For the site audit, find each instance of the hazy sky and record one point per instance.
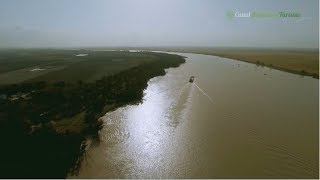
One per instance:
(52, 23)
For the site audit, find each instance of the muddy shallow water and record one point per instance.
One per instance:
(237, 120)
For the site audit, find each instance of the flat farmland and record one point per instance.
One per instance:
(18, 66)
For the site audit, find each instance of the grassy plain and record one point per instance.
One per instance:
(301, 62)
(17, 66)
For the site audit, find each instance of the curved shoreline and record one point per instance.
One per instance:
(303, 62)
(246, 57)
(51, 120)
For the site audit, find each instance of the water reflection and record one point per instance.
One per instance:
(263, 124)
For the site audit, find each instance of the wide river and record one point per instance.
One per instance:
(237, 120)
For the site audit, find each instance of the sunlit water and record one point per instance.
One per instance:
(237, 121)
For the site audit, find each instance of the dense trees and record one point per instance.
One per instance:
(32, 146)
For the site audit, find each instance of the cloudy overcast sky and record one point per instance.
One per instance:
(51, 23)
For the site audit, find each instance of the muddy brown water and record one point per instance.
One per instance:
(236, 120)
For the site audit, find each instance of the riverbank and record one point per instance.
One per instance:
(263, 124)
(44, 121)
(302, 62)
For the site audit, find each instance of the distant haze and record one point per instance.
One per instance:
(93, 23)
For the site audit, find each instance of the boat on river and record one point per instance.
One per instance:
(191, 80)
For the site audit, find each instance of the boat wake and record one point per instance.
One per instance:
(204, 93)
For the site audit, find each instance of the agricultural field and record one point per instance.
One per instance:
(18, 66)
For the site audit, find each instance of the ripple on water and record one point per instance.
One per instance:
(288, 164)
(113, 131)
(177, 109)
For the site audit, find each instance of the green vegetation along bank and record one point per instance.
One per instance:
(304, 62)
(46, 119)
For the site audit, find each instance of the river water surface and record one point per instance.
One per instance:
(236, 121)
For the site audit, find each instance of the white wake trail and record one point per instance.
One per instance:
(204, 93)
